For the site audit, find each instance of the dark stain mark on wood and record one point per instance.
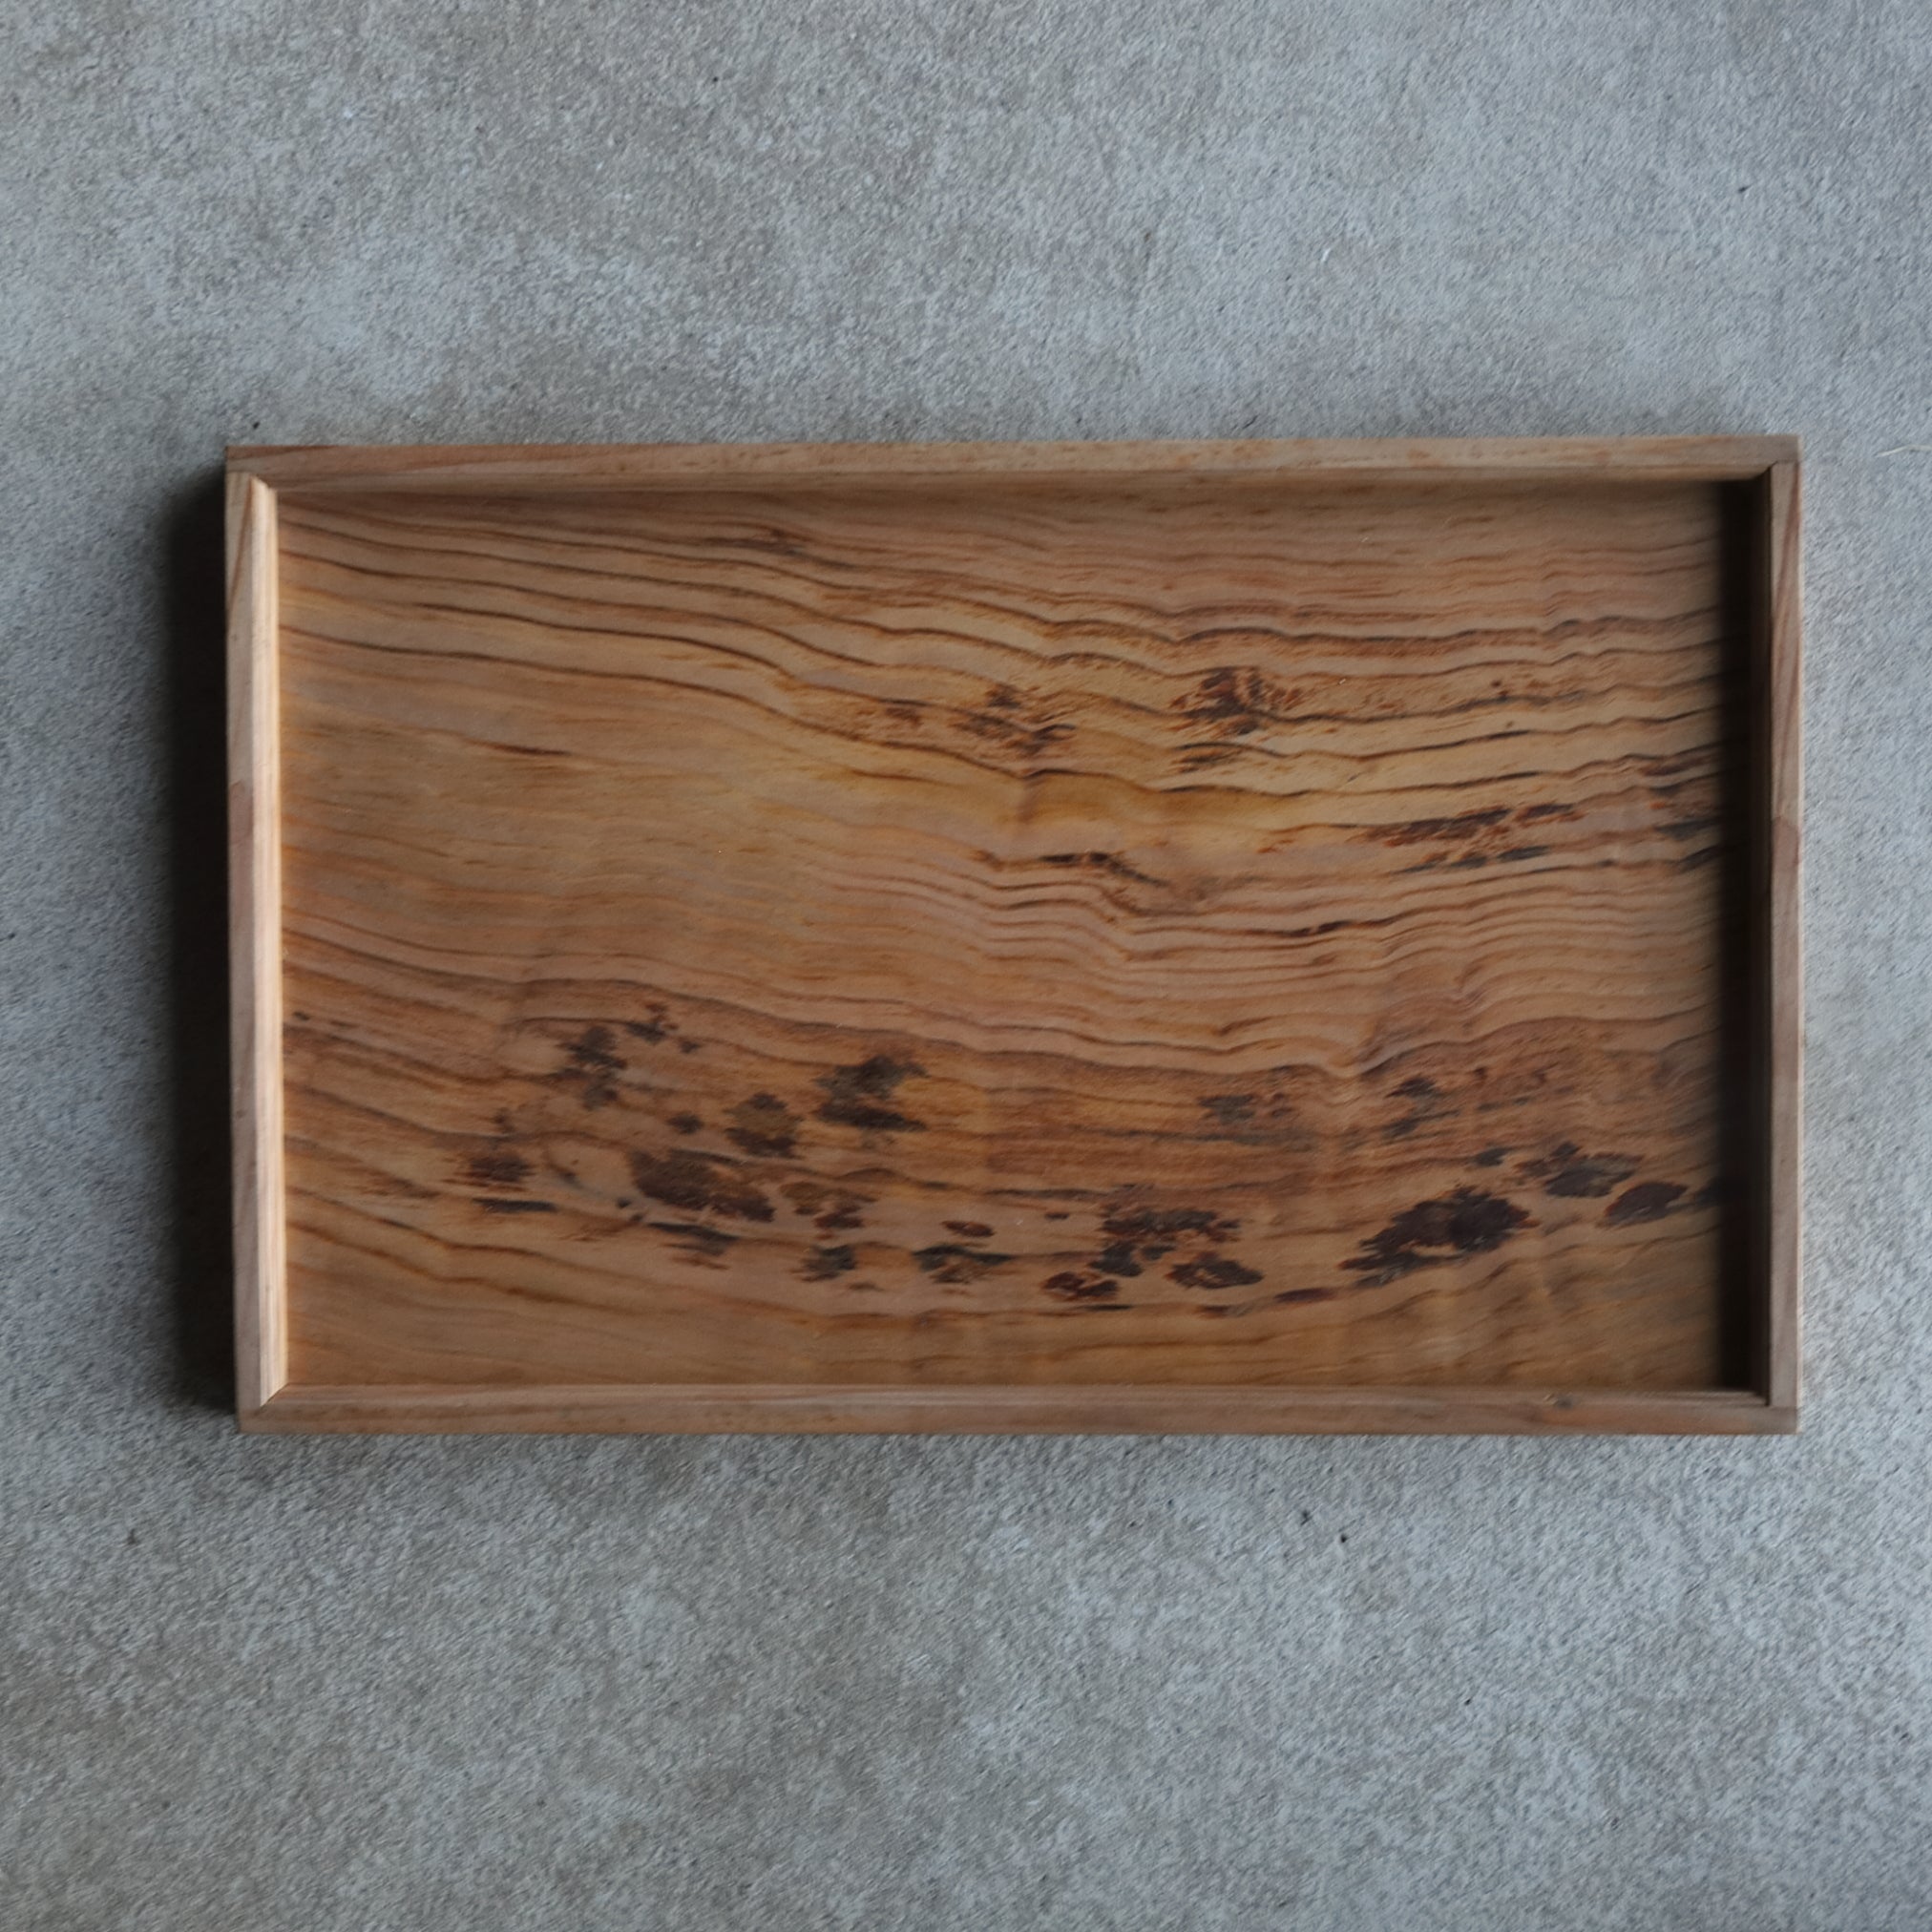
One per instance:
(1685, 830)
(827, 1264)
(1536, 1170)
(497, 1168)
(1234, 701)
(1591, 1177)
(594, 1050)
(1254, 1120)
(856, 1096)
(1058, 1214)
(1478, 833)
(593, 1058)
(1109, 863)
(1205, 757)
(1140, 1225)
(686, 1123)
(697, 1182)
(1291, 1295)
(764, 1126)
(949, 1261)
(497, 1206)
(830, 1208)
(1459, 1224)
(1230, 1110)
(710, 1242)
(1647, 1201)
(1137, 1234)
(1073, 1286)
(656, 1029)
(1426, 1103)
(1490, 1157)
(1443, 830)
(1214, 1271)
(1006, 719)
(970, 1231)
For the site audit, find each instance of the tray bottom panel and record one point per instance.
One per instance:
(1206, 936)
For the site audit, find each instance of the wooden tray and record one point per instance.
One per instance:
(1151, 936)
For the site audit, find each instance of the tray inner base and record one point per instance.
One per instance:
(1164, 932)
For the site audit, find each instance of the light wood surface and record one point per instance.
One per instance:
(931, 941)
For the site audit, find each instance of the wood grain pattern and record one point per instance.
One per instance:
(1221, 944)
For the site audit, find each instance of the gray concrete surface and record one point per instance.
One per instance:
(1154, 1684)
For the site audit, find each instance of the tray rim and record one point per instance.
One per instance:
(268, 1401)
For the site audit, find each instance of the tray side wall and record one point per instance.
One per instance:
(1782, 942)
(254, 944)
(537, 467)
(1093, 1410)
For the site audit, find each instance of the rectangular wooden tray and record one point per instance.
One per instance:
(1234, 937)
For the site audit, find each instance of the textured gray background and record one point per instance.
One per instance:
(320, 1685)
